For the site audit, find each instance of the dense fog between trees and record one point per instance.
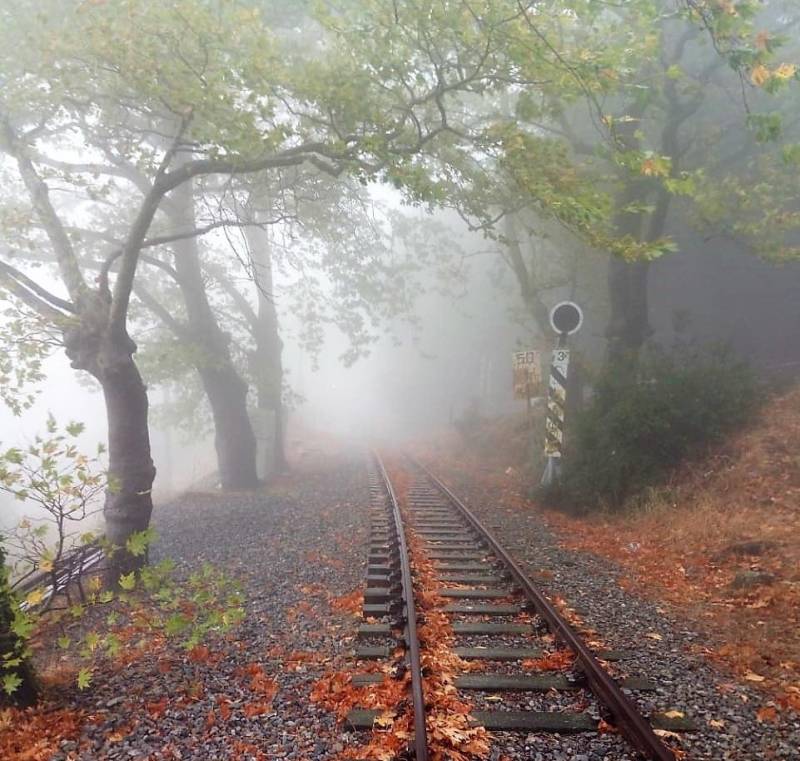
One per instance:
(227, 228)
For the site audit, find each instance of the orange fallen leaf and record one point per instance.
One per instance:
(767, 714)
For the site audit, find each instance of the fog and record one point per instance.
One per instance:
(375, 291)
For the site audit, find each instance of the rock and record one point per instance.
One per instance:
(751, 579)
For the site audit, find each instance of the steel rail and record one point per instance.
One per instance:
(631, 722)
(410, 623)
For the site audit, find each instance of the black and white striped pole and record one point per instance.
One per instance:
(566, 318)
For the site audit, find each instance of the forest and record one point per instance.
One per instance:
(391, 379)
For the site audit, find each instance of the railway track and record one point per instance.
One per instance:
(509, 626)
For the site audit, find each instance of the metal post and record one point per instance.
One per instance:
(556, 409)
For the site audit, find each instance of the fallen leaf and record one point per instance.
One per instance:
(751, 676)
(767, 714)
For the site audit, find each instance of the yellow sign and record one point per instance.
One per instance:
(527, 373)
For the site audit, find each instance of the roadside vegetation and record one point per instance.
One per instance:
(647, 417)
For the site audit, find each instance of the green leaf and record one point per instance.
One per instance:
(75, 429)
(11, 683)
(139, 541)
(175, 624)
(128, 581)
(92, 640)
(84, 678)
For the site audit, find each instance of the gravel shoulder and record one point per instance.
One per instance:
(296, 546)
(666, 649)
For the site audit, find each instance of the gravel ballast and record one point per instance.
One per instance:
(294, 546)
(662, 648)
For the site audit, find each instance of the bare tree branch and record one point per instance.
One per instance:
(37, 289)
(39, 193)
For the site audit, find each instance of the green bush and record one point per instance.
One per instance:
(17, 681)
(647, 417)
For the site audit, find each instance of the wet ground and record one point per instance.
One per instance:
(298, 546)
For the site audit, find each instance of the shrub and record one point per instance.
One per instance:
(16, 675)
(64, 486)
(646, 417)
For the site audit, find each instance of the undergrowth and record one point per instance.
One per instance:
(644, 419)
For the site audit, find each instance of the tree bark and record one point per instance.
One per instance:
(129, 502)
(268, 362)
(234, 439)
(629, 324)
(107, 355)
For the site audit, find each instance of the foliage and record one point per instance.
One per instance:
(26, 343)
(16, 675)
(645, 419)
(64, 484)
(741, 32)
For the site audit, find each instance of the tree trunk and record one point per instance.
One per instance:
(629, 325)
(108, 356)
(234, 439)
(268, 363)
(528, 288)
(129, 500)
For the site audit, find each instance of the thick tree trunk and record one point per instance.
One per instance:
(108, 356)
(129, 502)
(234, 439)
(629, 324)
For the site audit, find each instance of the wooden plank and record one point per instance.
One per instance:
(455, 555)
(534, 721)
(379, 609)
(482, 610)
(615, 655)
(481, 627)
(445, 565)
(637, 684)
(375, 630)
(485, 579)
(378, 594)
(361, 680)
(372, 652)
(496, 653)
(362, 719)
(514, 682)
(474, 594)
